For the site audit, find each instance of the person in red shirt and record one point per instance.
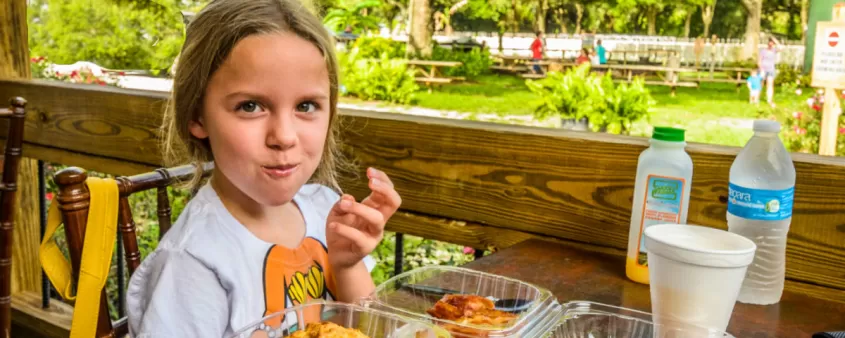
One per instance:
(583, 58)
(537, 51)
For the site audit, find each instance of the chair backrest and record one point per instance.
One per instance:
(8, 191)
(74, 203)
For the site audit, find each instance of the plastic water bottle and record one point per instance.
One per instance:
(762, 185)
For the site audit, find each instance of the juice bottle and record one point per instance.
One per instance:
(661, 194)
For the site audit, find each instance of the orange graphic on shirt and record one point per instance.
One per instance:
(297, 275)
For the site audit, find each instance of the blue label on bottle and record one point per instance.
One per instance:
(762, 205)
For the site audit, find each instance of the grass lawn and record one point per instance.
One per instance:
(713, 113)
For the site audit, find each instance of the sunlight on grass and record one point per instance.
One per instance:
(714, 113)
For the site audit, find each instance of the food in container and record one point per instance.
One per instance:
(325, 319)
(582, 319)
(518, 308)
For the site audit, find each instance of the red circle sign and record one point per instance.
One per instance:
(833, 39)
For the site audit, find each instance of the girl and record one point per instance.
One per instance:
(256, 92)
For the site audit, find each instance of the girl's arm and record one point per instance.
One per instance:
(353, 283)
(354, 229)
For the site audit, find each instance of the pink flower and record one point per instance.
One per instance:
(810, 102)
(801, 131)
(468, 250)
(49, 196)
(797, 115)
(842, 130)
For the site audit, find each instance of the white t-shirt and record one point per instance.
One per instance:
(210, 276)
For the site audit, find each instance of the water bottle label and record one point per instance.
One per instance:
(664, 201)
(762, 205)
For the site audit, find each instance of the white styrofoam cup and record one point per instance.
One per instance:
(695, 274)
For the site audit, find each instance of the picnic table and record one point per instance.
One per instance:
(427, 72)
(671, 78)
(575, 272)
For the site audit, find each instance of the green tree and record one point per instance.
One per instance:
(110, 33)
(353, 14)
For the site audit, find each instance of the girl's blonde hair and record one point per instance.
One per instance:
(209, 40)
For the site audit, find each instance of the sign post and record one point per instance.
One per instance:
(829, 73)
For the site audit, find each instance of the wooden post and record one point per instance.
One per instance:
(829, 129)
(14, 63)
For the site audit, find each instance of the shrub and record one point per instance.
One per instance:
(382, 79)
(788, 77)
(475, 62)
(374, 47)
(577, 94)
(801, 123)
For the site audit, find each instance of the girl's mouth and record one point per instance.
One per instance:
(280, 171)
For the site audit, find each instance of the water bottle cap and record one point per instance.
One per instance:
(766, 126)
(668, 134)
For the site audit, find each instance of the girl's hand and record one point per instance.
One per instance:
(354, 229)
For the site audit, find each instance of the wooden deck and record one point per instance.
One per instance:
(488, 186)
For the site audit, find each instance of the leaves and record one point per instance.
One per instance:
(577, 93)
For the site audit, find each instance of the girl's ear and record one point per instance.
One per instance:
(198, 129)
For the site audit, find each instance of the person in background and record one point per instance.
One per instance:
(755, 85)
(601, 52)
(584, 57)
(537, 52)
(767, 62)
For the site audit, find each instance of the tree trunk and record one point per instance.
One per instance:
(560, 18)
(26, 232)
(687, 22)
(540, 15)
(512, 16)
(419, 41)
(448, 17)
(805, 4)
(707, 17)
(754, 8)
(579, 14)
(651, 12)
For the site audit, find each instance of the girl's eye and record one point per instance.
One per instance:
(248, 107)
(306, 107)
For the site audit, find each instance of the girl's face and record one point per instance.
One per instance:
(266, 115)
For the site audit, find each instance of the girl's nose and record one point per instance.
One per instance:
(281, 131)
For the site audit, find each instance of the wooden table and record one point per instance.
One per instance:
(432, 74)
(577, 274)
(671, 80)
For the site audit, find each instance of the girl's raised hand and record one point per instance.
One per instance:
(354, 229)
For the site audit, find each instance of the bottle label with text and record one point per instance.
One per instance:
(759, 204)
(663, 204)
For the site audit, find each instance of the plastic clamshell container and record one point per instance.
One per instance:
(541, 313)
(371, 322)
(583, 319)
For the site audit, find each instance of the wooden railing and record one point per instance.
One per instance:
(488, 186)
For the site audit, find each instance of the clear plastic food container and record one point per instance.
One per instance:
(371, 322)
(582, 319)
(414, 292)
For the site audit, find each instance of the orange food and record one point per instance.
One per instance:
(469, 309)
(327, 330)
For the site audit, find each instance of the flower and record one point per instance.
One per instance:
(798, 91)
(817, 107)
(842, 130)
(468, 250)
(810, 102)
(49, 196)
(797, 115)
(800, 131)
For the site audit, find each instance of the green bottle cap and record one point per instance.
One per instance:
(668, 134)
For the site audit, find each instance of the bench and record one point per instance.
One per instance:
(533, 76)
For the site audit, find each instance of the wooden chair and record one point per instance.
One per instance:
(8, 191)
(74, 202)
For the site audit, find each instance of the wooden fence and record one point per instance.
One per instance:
(483, 185)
